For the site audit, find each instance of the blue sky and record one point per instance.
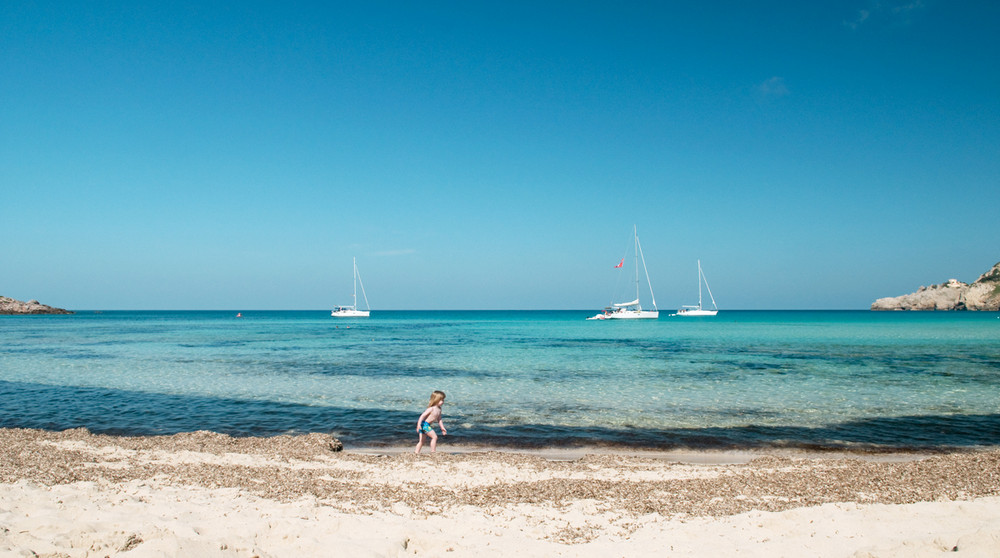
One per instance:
(238, 155)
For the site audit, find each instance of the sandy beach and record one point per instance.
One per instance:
(75, 494)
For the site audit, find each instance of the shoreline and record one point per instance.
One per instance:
(681, 456)
(75, 493)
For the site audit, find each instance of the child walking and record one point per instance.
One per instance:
(431, 415)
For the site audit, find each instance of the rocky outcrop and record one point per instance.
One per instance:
(11, 306)
(983, 294)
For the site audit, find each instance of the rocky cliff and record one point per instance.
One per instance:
(11, 306)
(984, 294)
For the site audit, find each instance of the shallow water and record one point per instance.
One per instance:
(743, 379)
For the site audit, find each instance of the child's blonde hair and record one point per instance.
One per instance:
(436, 397)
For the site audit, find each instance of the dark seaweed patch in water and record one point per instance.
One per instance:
(112, 342)
(220, 344)
(71, 354)
(370, 370)
(923, 433)
(572, 343)
(604, 343)
(26, 405)
(745, 413)
(74, 355)
(753, 366)
(9, 350)
(375, 367)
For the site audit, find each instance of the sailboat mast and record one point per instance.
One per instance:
(635, 235)
(707, 287)
(355, 283)
(361, 281)
(638, 249)
(699, 284)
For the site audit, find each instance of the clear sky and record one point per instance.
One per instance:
(212, 155)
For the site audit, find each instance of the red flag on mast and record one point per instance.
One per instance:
(621, 263)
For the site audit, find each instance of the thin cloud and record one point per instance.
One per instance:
(773, 87)
(891, 12)
(863, 16)
(903, 14)
(907, 9)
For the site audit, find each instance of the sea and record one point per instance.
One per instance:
(815, 380)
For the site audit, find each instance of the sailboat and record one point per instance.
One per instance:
(631, 310)
(698, 310)
(352, 310)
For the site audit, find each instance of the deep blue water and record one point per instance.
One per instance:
(744, 379)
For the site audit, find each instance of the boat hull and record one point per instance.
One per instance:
(696, 313)
(633, 315)
(349, 313)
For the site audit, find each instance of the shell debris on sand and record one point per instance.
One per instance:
(290, 467)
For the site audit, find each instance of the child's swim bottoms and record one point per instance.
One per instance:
(425, 427)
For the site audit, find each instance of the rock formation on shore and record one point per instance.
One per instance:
(984, 294)
(11, 306)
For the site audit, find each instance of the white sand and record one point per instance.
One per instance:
(141, 518)
(157, 499)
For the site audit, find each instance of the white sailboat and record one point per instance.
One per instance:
(698, 310)
(632, 310)
(352, 310)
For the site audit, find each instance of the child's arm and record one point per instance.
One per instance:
(444, 431)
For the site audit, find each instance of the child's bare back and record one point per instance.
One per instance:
(433, 414)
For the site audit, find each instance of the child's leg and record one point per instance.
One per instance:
(434, 440)
(420, 443)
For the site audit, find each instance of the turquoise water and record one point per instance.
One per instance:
(824, 380)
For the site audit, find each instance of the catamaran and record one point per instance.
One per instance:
(631, 310)
(698, 310)
(352, 310)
